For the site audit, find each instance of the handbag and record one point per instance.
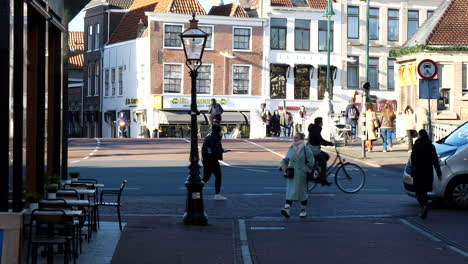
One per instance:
(289, 174)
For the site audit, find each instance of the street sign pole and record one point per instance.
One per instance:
(429, 106)
(428, 69)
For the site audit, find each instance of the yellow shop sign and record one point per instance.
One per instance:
(133, 101)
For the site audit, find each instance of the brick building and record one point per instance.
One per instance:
(75, 83)
(101, 19)
(443, 39)
(159, 96)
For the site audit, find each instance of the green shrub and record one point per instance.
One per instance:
(51, 188)
(74, 174)
(54, 179)
(33, 197)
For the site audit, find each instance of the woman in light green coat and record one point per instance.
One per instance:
(296, 187)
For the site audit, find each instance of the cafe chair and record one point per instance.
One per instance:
(116, 193)
(50, 228)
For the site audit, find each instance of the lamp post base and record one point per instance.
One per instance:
(195, 213)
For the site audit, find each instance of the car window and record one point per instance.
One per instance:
(458, 137)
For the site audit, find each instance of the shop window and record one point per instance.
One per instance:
(113, 81)
(322, 81)
(302, 81)
(391, 74)
(106, 82)
(278, 80)
(120, 76)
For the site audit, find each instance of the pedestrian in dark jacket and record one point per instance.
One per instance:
(423, 159)
(315, 141)
(352, 117)
(275, 121)
(215, 112)
(212, 152)
(266, 118)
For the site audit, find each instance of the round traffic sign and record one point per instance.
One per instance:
(427, 69)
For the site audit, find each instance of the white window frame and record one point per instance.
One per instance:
(96, 78)
(465, 89)
(106, 82)
(164, 35)
(90, 77)
(113, 90)
(182, 78)
(212, 36)
(120, 82)
(211, 78)
(250, 39)
(90, 33)
(250, 79)
(97, 33)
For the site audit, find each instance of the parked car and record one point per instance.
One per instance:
(453, 159)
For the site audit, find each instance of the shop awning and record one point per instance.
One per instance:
(235, 117)
(179, 118)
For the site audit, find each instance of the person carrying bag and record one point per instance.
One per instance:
(296, 168)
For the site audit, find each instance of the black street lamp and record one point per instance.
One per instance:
(194, 41)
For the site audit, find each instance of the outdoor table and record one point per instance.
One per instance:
(73, 213)
(70, 202)
(96, 185)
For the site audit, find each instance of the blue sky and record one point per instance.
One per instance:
(77, 23)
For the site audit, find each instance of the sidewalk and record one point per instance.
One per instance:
(392, 160)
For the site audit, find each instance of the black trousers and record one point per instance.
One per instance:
(304, 203)
(421, 196)
(212, 167)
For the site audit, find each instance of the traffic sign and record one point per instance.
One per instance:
(429, 89)
(427, 69)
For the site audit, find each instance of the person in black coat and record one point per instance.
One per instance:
(423, 159)
(315, 141)
(212, 153)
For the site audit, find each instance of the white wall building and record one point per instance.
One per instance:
(296, 56)
(126, 86)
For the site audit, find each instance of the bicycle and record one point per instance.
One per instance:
(349, 177)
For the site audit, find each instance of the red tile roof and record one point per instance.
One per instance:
(452, 28)
(319, 4)
(448, 25)
(128, 27)
(76, 46)
(233, 10)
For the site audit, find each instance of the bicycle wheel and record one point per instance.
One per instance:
(350, 178)
(311, 184)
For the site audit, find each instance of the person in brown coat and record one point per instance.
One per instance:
(387, 117)
(372, 124)
(423, 159)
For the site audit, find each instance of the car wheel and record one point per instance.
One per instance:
(457, 193)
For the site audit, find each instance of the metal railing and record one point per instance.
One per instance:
(440, 130)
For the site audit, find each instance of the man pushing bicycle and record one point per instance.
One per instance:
(315, 141)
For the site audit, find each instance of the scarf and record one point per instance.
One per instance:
(298, 146)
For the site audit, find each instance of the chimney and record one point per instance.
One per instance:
(217, 2)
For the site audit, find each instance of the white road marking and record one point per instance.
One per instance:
(246, 257)
(257, 194)
(276, 153)
(420, 231)
(95, 150)
(91, 154)
(85, 158)
(267, 228)
(75, 161)
(98, 142)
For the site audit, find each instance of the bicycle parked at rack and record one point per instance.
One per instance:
(349, 177)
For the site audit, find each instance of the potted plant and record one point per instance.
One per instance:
(51, 190)
(74, 175)
(54, 180)
(33, 198)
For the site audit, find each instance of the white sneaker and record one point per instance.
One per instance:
(303, 213)
(219, 197)
(409, 151)
(384, 151)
